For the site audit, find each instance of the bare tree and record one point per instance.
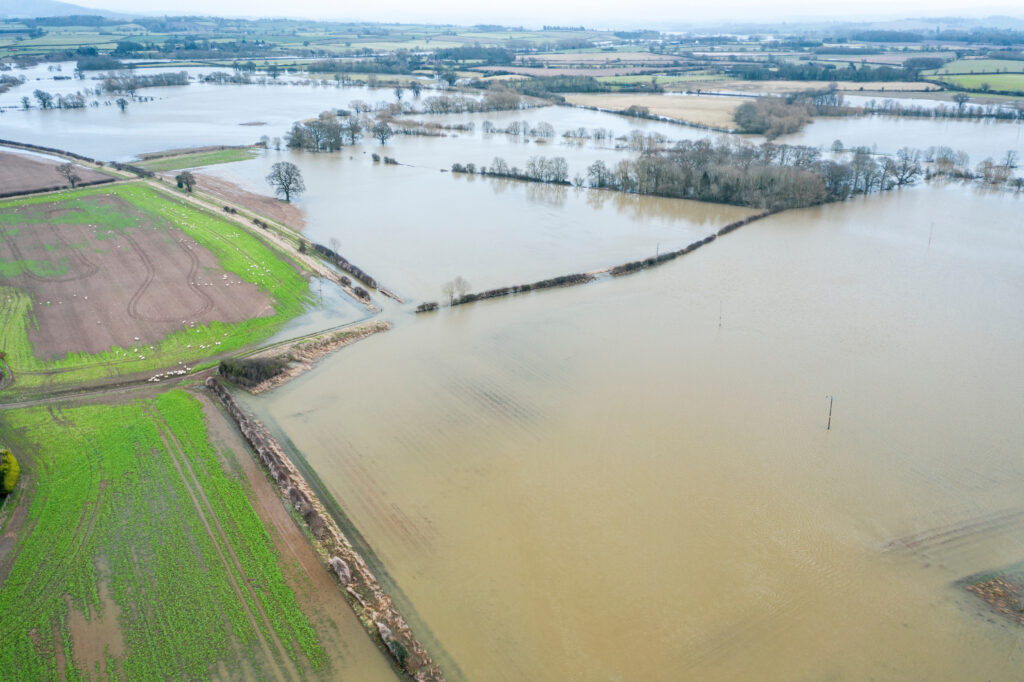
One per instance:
(382, 131)
(399, 92)
(416, 88)
(352, 129)
(45, 99)
(286, 179)
(448, 289)
(335, 244)
(185, 180)
(67, 171)
(461, 286)
(122, 103)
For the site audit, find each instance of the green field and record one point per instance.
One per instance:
(1006, 82)
(977, 66)
(137, 525)
(237, 251)
(168, 163)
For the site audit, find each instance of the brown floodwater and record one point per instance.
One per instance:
(414, 228)
(633, 479)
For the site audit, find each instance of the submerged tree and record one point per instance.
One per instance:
(122, 103)
(286, 179)
(382, 131)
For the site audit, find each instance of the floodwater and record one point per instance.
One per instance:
(413, 228)
(633, 479)
(980, 138)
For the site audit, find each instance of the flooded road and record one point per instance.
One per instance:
(633, 480)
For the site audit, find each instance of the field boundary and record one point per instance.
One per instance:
(374, 608)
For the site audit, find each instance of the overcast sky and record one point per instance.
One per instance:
(599, 14)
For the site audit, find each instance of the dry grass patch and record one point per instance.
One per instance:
(716, 112)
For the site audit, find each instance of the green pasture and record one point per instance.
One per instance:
(169, 163)
(136, 521)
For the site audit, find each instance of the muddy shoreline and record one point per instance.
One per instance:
(374, 608)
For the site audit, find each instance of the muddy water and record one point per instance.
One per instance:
(413, 228)
(980, 138)
(633, 480)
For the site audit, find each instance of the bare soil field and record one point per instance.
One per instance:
(95, 286)
(23, 174)
(286, 214)
(713, 111)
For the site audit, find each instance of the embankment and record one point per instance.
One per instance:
(300, 357)
(633, 266)
(375, 609)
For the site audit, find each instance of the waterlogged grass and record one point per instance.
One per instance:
(201, 159)
(133, 501)
(237, 251)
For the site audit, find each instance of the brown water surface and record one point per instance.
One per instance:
(633, 480)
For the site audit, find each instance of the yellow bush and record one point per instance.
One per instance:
(9, 471)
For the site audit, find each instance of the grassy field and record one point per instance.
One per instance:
(168, 163)
(1007, 82)
(141, 556)
(237, 251)
(969, 66)
(716, 112)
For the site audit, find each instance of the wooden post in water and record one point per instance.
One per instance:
(828, 426)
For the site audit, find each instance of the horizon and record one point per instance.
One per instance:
(653, 14)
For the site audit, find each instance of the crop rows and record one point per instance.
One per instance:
(114, 502)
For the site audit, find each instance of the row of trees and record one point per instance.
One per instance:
(538, 169)
(129, 83)
(766, 176)
(330, 132)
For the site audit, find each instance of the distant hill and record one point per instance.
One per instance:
(47, 8)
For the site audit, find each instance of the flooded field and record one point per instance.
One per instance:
(633, 480)
(413, 228)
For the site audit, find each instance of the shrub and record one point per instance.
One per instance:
(9, 472)
(250, 372)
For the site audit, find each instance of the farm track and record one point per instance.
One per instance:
(274, 650)
(90, 267)
(147, 263)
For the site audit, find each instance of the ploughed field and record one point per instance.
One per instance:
(125, 279)
(135, 551)
(21, 174)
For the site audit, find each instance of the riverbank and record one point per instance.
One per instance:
(375, 609)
